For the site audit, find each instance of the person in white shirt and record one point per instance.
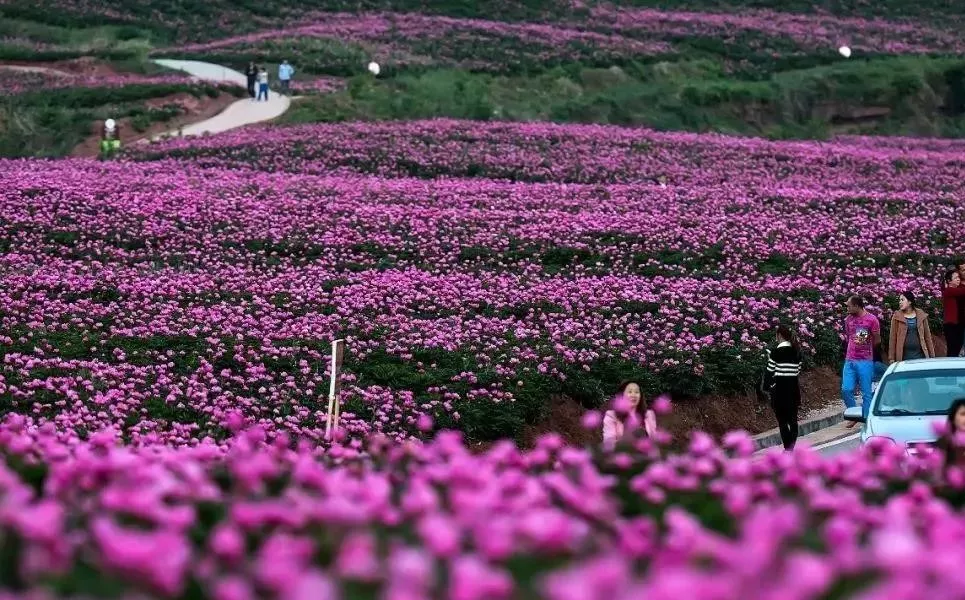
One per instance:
(263, 84)
(285, 72)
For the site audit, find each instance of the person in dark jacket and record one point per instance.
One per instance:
(781, 380)
(251, 72)
(953, 305)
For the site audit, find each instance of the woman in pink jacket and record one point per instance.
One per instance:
(625, 416)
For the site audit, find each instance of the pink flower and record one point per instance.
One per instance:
(357, 558)
(440, 535)
(227, 542)
(160, 557)
(232, 588)
(424, 423)
(662, 405)
(591, 420)
(312, 585)
(472, 579)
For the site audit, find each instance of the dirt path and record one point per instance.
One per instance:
(41, 70)
(239, 113)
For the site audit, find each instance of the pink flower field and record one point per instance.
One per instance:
(13, 83)
(166, 318)
(262, 518)
(341, 43)
(160, 294)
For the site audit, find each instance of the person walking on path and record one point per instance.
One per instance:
(781, 381)
(911, 336)
(251, 73)
(863, 332)
(625, 415)
(285, 72)
(953, 305)
(262, 84)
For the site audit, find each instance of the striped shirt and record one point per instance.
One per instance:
(783, 361)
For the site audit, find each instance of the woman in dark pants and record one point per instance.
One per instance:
(251, 72)
(781, 381)
(953, 303)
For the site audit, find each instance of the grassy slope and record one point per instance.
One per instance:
(923, 96)
(791, 94)
(53, 123)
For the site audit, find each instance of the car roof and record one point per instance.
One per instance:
(931, 364)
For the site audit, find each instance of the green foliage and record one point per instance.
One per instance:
(52, 124)
(692, 95)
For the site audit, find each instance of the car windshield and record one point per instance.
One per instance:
(919, 393)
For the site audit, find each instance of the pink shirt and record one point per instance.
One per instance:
(861, 332)
(614, 429)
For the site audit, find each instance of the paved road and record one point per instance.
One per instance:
(831, 441)
(839, 446)
(834, 440)
(242, 112)
(33, 69)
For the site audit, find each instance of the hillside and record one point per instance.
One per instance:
(539, 219)
(759, 68)
(56, 108)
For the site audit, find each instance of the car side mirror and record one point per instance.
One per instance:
(853, 414)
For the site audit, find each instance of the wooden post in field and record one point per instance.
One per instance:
(334, 388)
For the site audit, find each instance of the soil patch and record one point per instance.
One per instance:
(35, 69)
(194, 110)
(79, 67)
(717, 415)
(820, 388)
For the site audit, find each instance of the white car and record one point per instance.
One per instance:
(912, 397)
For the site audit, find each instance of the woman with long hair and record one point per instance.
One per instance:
(910, 334)
(629, 412)
(953, 303)
(781, 380)
(954, 454)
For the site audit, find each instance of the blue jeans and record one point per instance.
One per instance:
(263, 91)
(857, 373)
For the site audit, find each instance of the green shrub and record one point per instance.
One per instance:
(692, 95)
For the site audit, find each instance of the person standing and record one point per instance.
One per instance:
(262, 84)
(251, 73)
(625, 415)
(110, 138)
(781, 380)
(863, 332)
(285, 72)
(953, 303)
(911, 336)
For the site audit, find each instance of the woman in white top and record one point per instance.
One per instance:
(262, 84)
(628, 413)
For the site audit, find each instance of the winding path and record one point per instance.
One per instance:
(41, 70)
(242, 112)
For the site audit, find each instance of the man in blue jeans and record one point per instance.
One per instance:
(285, 72)
(863, 333)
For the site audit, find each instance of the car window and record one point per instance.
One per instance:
(919, 393)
